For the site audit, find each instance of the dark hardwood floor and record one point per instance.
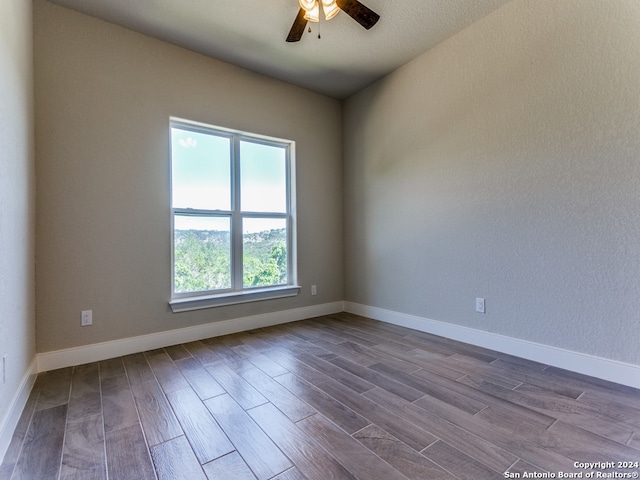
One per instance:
(339, 397)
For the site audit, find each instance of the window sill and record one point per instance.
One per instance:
(210, 301)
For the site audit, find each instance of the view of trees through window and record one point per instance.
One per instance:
(202, 259)
(230, 204)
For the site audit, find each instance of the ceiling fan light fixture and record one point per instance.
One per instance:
(330, 9)
(307, 5)
(313, 14)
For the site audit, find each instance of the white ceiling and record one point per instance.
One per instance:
(251, 34)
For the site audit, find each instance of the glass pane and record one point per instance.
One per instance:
(202, 253)
(264, 252)
(263, 178)
(200, 170)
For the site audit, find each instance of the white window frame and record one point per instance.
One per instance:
(238, 293)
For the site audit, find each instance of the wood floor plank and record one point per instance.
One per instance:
(506, 419)
(455, 399)
(156, 415)
(378, 379)
(177, 352)
(283, 399)
(334, 372)
(42, 446)
(594, 419)
(385, 327)
(314, 333)
(556, 406)
(622, 411)
(354, 456)
(297, 367)
(335, 411)
(254, 338)
(118, 406)
(138, 369)
(399, 455)
(458, 361)
(481, 447)
(230, 466)
(434, 363)
(310, 458)
(455, 347)
(580, 445)
(384, 354)
(368, 339)
(523, 442)
(199, 379)
(128, 455)
(236, 386)
(204, 434)
(261, 361)
(83, 456)
(263, 457)
(459, 464)
(585, 382)
(165, 370)
(111, 367)
(202, 353)
(55, 388)
(291, 474)
(348, 335)
(292, 342)
(85, 398)
(416, 438)
(386, 330)
(229, 356)
(174, 460)
(498, 380)
(387, 342)
(533, 420)
(350, 351)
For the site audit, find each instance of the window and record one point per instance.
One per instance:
(233, 228)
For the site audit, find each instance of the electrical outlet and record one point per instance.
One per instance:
(480, 305)
(314, 290)
(87, 318)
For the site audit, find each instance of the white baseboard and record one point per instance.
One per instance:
(126, 346)
(11, 418)
(603, 368)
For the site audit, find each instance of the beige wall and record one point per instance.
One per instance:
(104, 96)
(505, 164)
(17, 188)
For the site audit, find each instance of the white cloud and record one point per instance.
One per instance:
(189, 142)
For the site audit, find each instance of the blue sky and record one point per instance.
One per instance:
(201, 177)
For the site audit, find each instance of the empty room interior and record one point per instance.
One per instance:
(449, 287)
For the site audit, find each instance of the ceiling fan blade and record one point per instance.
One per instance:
(359, 12)
(297, 29)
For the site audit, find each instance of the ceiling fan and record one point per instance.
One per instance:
(310, 12)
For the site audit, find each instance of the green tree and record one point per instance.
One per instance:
(202, 261)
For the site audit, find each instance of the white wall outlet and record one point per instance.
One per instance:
(87, 318)
(480, 305)
(314, 290)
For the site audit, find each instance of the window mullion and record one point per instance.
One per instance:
(236, 218)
